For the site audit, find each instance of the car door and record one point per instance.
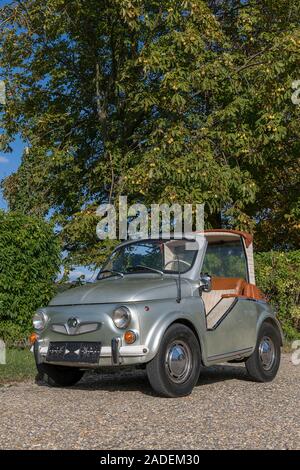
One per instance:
(231, 317)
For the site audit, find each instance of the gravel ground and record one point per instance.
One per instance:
(119, 411)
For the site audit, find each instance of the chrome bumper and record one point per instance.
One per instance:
(116, 354)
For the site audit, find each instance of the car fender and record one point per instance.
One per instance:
(269, 317)
(159, 328)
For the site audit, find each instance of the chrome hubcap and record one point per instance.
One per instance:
(266, 352)
(178, 361)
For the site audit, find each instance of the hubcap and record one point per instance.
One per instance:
(266, 352)
(178, 361)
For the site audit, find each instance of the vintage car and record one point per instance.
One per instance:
(170, 306)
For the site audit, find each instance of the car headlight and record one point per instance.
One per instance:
(39, 320)
(121, 317)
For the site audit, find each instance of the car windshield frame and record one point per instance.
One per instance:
(140, 271)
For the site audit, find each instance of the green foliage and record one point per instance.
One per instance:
(225, 260)
(30, 258)
(278, 275)
(174, 101)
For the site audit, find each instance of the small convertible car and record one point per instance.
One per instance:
(171, 306)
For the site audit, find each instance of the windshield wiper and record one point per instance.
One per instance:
(117, 273)
(148, 268)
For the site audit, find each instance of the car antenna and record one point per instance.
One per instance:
(179, 282)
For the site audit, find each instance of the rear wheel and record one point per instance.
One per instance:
(174, 371)
(59, 376)
(263, 364)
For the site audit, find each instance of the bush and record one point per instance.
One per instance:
(29, 262)
(278, 275)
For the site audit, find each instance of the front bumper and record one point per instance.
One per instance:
(114, 355)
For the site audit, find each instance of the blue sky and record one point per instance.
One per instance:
(9, 162)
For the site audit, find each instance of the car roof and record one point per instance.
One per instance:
(248, 238)
(245, 235)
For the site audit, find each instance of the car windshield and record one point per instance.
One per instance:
(168, 256)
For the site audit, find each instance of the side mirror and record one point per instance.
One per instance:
(205, 282)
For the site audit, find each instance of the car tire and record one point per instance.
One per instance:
(263, 364)
(174, 371)
(59, 376)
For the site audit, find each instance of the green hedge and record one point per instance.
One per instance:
(29, 262)
(278, 275)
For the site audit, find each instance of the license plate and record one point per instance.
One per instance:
(74, 352)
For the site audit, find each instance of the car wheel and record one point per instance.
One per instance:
(174, 371)
(263, 364)
(59, 376)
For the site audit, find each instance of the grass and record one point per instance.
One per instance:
(20, 365)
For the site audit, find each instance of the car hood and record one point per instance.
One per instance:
(130, 288)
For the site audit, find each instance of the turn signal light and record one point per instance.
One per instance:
(130, 336)
(32, 338)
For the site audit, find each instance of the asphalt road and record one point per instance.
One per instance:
(225, 411)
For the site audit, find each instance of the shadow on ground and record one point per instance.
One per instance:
(136, 380)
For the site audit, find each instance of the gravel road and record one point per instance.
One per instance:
(119, 411)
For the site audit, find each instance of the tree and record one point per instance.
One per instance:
(30, 259)
(186, 101)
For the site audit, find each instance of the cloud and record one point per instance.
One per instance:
(3, 160)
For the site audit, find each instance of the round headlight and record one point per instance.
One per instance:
(121, 317)
(39, 320)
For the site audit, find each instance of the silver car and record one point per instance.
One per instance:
(170, 306)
